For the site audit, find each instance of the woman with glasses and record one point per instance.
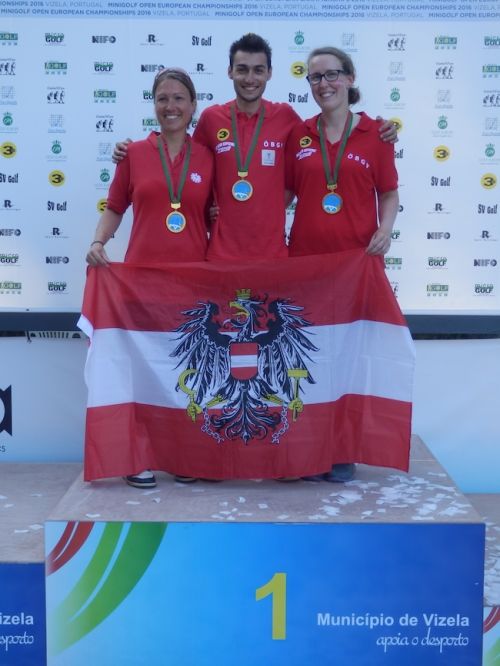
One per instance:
(344, 177)
(167, 178)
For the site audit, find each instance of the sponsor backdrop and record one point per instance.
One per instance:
(76, 75)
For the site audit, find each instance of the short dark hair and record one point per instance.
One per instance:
(354, 94)
(250, 43)
(179, 75)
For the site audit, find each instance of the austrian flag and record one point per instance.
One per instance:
(246, 370)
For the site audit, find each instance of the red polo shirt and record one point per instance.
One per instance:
(139, 180)
(367, 168)
(252, 229)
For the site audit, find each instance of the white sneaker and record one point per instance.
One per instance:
(145, 479)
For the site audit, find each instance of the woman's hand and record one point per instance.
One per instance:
(380, 243)
(96, 256)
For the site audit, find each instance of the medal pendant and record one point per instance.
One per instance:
(331, 203)
(242, 190)
(175, 222)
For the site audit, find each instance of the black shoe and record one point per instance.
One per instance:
(315, 478)
(185, 479)
(145, 479)
(341, 473)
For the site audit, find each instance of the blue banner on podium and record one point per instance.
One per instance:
(22, 614)
(200, 594)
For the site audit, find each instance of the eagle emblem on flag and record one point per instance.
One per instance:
(244, 365)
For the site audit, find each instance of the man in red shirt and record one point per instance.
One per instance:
(248, 136)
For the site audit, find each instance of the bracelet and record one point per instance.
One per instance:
(94, 242)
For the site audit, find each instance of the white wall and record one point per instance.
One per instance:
(457, 409)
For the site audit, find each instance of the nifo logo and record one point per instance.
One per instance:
(103, 39)
(6, 410)
(57, 286)
(56, 260)
(437, 262)
(484, 263)
(10, 232)
(438, 235)
(202, 96)
(10, 258)
(152, 68)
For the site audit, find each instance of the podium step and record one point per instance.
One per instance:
(28, 493)
(425, 494)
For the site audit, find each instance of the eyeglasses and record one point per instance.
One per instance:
(330, 75)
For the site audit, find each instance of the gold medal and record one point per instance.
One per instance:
(175, 222)
(242, 190)
(331, 203)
